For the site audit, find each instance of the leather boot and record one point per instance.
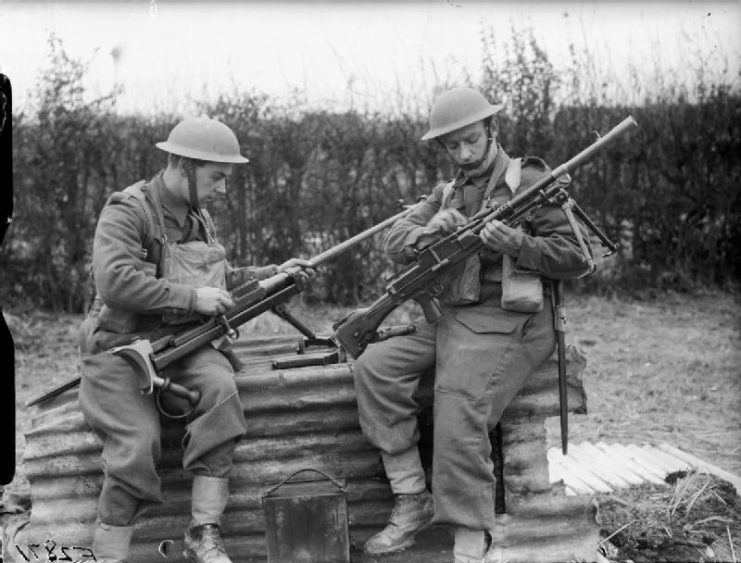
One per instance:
(111, 543)
(411, 514)
(203, 545)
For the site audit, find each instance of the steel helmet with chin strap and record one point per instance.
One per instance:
(458, 108)
(203, 138)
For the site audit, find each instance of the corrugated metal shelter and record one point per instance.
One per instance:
(299, 418)
(603, 468)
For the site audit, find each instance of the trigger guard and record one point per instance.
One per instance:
(435, 288)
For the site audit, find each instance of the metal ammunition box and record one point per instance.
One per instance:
(306, 521)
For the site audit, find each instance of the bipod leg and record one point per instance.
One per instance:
(606, 242)
(311, 339)
(302, 361)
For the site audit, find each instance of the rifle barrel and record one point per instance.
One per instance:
(587, 153)
(525, 201)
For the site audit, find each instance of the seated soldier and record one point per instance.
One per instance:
(482, 349)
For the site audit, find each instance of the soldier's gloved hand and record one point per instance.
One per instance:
(502, 238)
(213, 301)
(300, 269)
(446, 221)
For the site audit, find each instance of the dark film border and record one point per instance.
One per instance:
(7, 350)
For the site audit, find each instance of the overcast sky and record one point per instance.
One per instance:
(342, 53)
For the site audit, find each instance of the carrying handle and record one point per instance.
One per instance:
(284, 481)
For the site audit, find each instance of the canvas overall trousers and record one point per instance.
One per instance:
(128, 421)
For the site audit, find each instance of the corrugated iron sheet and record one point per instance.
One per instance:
(296, 419)
(592, 468)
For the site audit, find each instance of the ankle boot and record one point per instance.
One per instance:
(411, 514)
(203, 545)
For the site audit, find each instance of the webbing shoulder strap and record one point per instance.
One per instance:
(447, 194)
(155, 227)
(209, 225)
(512, 176)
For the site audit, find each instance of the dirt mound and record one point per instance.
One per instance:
(694, 517)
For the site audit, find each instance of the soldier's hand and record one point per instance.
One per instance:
(446, 221)
(501, 238)
(300, 269)
(213, 301)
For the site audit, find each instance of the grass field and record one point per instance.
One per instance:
(664, 369)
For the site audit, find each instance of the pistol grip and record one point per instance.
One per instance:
(430, 306)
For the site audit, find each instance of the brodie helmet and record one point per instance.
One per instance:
(457, 108)
(203, 138)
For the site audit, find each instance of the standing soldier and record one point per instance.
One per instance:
(494, 332)
(157, 268)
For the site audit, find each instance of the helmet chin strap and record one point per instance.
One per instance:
(482, 165)
(190, 176)
(479, 167)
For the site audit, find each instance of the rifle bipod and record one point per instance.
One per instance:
(336, 355)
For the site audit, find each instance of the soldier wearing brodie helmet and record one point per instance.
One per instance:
(493, 333)
(158, 268)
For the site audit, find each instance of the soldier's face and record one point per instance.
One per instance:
(467, 145)
(211, 180)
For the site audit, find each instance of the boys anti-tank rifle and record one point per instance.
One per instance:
(420, 279)
(251, 299)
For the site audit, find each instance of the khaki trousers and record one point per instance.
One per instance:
(482, 356)
(129, 423)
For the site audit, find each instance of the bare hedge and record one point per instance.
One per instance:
(669, 192)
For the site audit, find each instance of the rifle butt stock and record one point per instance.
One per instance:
(360, 327)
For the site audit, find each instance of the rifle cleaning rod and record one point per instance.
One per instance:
(280, 286)
(340, 248)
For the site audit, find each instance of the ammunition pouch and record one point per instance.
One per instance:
(522, 291)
